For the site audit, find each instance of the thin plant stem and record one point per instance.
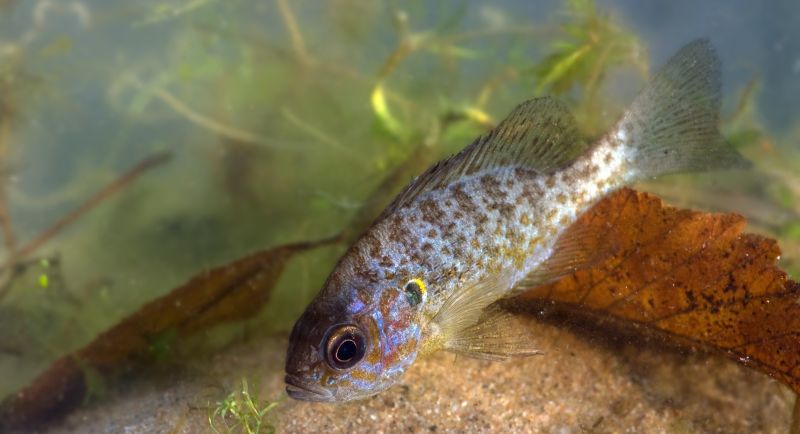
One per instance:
(294, 31)
(208, 123)
(321, 136)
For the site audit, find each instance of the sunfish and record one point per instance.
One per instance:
(488, 222)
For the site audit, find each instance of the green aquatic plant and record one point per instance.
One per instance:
(592, 43)
(742, 127)
(242, 412)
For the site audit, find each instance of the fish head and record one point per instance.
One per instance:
(348, 345)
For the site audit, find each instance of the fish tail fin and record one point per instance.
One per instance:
(672, 126)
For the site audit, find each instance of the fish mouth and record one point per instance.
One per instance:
(303, 391)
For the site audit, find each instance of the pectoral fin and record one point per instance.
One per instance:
(497, 335)
(468, 324)
(465, 306)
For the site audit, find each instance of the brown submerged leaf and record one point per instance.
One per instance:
(693, 277)
(234, 291)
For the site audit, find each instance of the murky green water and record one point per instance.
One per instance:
(281, 118)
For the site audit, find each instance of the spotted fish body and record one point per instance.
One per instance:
(493, 219)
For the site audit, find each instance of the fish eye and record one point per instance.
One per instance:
(415, 291)
(345, 346)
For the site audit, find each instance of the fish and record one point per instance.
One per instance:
(487, 223)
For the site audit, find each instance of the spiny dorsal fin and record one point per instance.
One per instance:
(540, 134)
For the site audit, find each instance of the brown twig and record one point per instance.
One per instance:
(117, 185)
(9, 240)
(96, 199)
(6, 227)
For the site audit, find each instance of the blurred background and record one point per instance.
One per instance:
(257, 123)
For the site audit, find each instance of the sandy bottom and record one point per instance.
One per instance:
(578, 386)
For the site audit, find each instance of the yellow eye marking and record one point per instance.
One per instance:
(416, 291)
(421, 285)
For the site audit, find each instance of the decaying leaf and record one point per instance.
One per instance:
(234, 291)
(693, 277)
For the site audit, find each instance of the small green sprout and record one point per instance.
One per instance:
(242, 412)
(44, 279)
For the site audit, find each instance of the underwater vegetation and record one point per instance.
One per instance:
(289, 126)
(240, 411)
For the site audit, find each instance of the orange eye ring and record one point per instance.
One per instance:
(345, 346)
